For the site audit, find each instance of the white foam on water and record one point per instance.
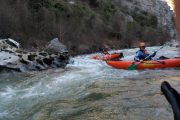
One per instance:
(71, 82)
(8, 93)
(3, 114)
(82, 68)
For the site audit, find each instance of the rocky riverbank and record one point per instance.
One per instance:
(12, 57)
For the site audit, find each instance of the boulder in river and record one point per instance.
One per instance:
(14, 58)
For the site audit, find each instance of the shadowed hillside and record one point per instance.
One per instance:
(83, 25)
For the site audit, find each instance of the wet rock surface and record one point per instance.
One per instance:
(14, 58)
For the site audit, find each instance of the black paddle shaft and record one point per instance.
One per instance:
(172, 97)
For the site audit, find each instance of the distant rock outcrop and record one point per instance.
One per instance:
(55, 46)
(159, 8)
(12, 57)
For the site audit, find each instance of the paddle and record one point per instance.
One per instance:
(173, 97)
(133, 65)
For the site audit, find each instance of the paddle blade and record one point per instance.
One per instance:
(132, 67)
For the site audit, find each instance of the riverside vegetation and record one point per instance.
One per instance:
(82, 25)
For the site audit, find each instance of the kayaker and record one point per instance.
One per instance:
(105, 49)
(142, 53)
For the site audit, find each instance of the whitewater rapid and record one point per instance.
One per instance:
(19, 92)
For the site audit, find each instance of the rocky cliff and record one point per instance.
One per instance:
(159, 8)
(86, 25)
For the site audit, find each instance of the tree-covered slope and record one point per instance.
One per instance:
(82, 25)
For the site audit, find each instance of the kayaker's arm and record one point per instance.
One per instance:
(136, 57)
(154, 54)
(140, 56)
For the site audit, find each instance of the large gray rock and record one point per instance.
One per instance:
(9, 45)
(9, 61)
(55, 46)
(12, 57)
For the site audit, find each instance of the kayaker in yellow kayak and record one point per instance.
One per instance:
(142, 53)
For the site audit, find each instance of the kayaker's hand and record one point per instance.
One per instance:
(154, 54)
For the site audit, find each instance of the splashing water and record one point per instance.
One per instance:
(19, 93)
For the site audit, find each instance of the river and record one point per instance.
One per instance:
(26, 95)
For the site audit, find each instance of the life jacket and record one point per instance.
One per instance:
(141, 55)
